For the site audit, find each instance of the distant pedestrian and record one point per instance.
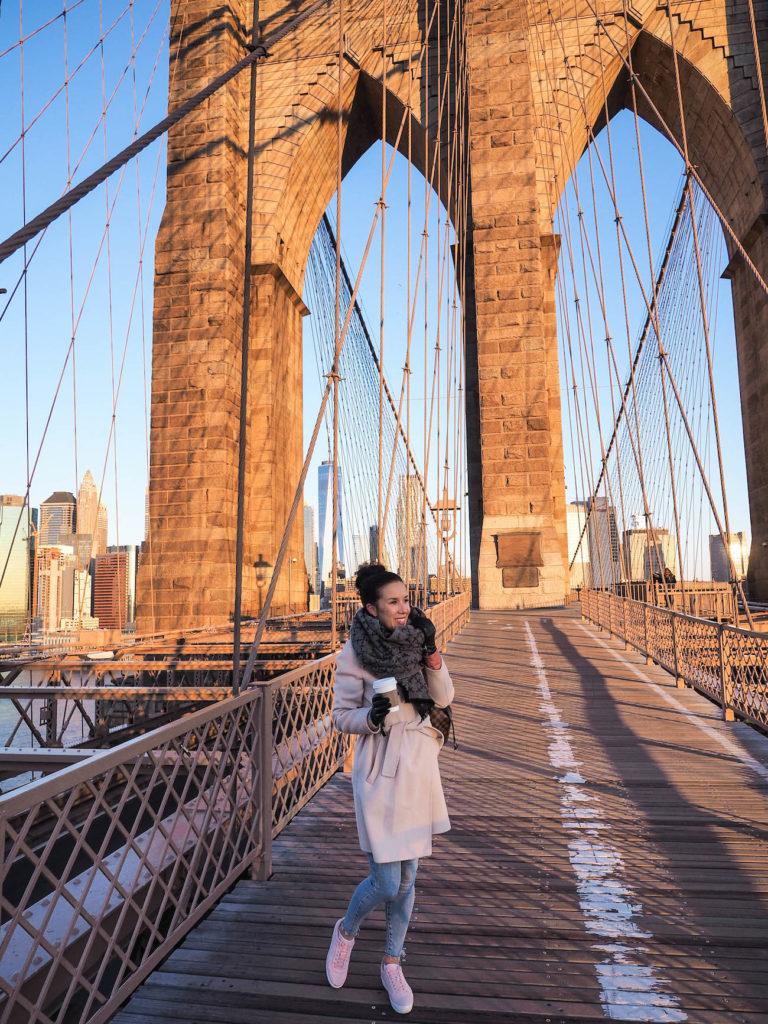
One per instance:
(398, 795)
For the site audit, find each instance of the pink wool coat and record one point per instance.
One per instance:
(399, 802)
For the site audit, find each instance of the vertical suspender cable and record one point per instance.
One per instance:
(33, 592)
(337, 332)
(382, 260)
(702, 297)
(758, 70)
(407, 366)
(244, 354)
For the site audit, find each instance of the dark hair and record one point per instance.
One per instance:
(370, 578)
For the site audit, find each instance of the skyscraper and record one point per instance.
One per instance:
(310, 547)
(57, 517)
(55, 577)
(100, 537)
(87, 505)
(738, 545)
(111, 589)
(325, 521)
(91, 516)
(82, 545)
(374, 554)
(578, 547)
(33, 542)
(357, 552)
(131, 552)
(603, 535)
(648, 552)
(408, 527)
(14, 562)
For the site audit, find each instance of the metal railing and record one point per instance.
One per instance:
(706, 600)
(108, 863)
(727, 664)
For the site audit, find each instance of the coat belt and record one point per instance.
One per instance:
(394, 747)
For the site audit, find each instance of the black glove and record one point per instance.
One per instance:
(379, 709)
(418, 619)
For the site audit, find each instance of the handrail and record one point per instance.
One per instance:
(729, 664)
(141, 840)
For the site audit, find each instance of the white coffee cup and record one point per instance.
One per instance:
(387, 686)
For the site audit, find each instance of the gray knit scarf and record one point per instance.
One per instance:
(399, 653)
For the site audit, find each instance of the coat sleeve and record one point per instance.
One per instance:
(350, 715)
(440, 685)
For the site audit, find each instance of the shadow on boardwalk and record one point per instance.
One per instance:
(607, 859)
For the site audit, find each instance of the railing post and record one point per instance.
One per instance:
(610, 612)
(624, 622)
(261, 868)
(726, 689)
(648, 658)
(679, 681)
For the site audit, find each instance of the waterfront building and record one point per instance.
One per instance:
(14, 567)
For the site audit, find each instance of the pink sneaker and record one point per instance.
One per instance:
(337, 960)
(398, 989)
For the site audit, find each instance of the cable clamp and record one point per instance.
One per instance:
(258, 48)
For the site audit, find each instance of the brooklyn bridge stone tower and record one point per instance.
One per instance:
(536, 93)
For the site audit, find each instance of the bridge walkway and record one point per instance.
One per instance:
(608, 860)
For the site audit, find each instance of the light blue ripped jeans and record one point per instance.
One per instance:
(394, 885)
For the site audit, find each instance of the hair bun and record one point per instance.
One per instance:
(370, 578)
(366, 573)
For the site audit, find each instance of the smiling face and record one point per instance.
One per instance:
(392, 606)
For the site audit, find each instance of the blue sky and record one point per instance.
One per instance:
(54, 284)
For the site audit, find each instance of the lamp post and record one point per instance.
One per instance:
(262, 567)
(291, 561)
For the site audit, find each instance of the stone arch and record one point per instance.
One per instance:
(726, 146)
(538, 80)
(188, 577)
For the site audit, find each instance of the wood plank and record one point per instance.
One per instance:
(505, 928)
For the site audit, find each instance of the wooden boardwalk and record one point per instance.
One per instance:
(608, 860)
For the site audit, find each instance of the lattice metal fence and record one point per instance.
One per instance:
(107, 864)
(728, 664)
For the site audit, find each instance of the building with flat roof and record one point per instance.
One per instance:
(14, 560)
(111, 594)
(648, 552)
(738, 547)
(55, 586)
(578, 544)
(325, 522)
(132, 553)
(58, 516)
(603, 541)
(310, 549)
(408, 520)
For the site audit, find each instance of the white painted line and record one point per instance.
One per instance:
(724, 741)
(630, 989)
